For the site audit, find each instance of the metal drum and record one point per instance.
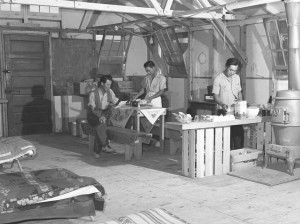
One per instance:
(286, 118)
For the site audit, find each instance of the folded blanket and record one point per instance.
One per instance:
(24, 190)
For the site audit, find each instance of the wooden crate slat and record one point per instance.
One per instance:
(185, 153)
(218, 150)
(192, 151)
(209, 151)
(200, 153)
(226, 150)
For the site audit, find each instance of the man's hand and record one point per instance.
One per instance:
(225, 107)
(148, 99)
(102, 119)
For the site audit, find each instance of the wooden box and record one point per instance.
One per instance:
(243, 158)
(126, 86)
(84, 88)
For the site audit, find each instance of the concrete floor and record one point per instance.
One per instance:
(156, 182)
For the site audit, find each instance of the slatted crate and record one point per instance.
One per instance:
(207, 152)
(244, 158)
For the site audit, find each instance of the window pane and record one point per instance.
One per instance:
(272, 27)
(281, 74)
(275, 43)
(279, 58)
(282, 26)
(285, 41)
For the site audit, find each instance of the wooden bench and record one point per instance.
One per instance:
(132, 140)
(173, 135)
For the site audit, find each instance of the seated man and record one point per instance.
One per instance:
(100, 102)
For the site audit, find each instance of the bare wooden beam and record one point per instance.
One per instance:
(157, 6)
(186, 4)
(168, 5)
(130, 18)
(220, 27)
(111, 8)
(86, 20)
(87, 17)
(87, 6)
(229, 7)
(125, 23)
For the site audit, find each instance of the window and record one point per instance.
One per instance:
(277, 34)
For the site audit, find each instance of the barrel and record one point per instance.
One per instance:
(286, 118)
(79, 123)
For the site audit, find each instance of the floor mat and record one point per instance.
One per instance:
(152, 216)
(274, 174)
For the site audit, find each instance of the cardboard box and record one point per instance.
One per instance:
(84, 88)
(126, 86)
(244, 158)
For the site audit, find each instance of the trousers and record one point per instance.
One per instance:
(236, 134)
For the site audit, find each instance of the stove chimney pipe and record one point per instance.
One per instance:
(292, 8)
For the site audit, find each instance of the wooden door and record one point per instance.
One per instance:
(28, 84)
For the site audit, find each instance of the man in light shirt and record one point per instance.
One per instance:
(227, 91)
(154, 85)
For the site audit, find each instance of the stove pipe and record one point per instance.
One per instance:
(292, 8)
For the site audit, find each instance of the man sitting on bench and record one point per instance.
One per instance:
(99, 110)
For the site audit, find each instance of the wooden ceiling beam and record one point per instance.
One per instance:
(228, 7)
(112, 8)
(156, 5)
(134, 22)
(88, 17)
(168, 5)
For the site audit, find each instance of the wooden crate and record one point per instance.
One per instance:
(243, 158)
(126, 86)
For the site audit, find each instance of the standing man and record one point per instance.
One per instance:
(100, 102)
(154, 85)
(227, 91)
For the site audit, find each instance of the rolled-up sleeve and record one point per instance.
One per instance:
(163, 83)
(216, 86)
(92, 100)
(114, 99)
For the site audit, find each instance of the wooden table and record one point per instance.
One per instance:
(206, 145)
(138, 114)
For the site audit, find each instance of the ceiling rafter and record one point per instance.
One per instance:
(156, 5)
(131, 18)
(88, 16)
(124, 24)
(228, 7)
(168, 5)
(220, 27)
(71, 4)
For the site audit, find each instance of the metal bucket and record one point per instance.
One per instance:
(286, 118)
(79, 123)
(72, 128)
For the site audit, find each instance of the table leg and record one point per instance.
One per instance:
(162, 133)
(137, 121)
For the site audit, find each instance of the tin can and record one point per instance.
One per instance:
(240, 109)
